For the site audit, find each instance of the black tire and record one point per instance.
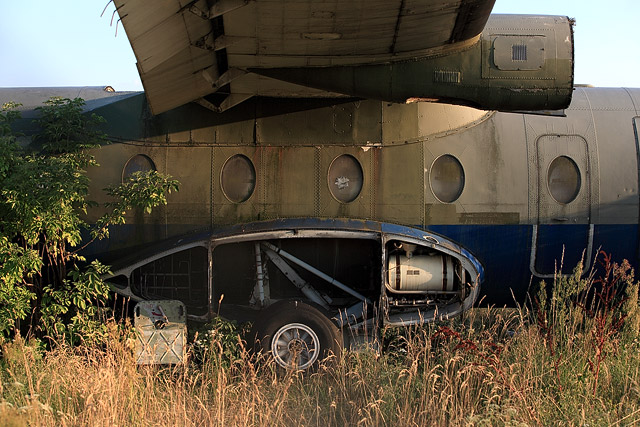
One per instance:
(296, 335)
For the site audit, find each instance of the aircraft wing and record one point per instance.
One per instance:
(219, 53)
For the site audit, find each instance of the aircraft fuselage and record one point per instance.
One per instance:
(514, 189)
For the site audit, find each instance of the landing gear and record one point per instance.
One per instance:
(297, 335)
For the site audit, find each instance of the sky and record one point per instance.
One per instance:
(68, 43)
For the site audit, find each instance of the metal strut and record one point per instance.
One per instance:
(260, 278)
(315, 271)
(308, 290)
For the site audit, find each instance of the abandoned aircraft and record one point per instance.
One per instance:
(514, 190)
(319, 191)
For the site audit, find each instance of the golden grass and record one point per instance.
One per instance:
(492, 368)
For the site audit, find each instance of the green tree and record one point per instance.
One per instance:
(45, 288)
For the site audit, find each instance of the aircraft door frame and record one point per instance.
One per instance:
(550, 148)
(575, 211)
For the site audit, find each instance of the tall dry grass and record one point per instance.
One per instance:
(493, 367)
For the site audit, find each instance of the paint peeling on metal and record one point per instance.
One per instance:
(342, 182)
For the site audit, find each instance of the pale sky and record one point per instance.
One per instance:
(67, 43)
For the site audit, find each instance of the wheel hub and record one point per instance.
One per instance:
(295, 346)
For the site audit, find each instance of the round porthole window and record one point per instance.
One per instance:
(563, 180)
(345, 178)
(238, 178)
(138, 163)
(446, 178)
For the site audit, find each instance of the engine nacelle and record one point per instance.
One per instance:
(520, 62)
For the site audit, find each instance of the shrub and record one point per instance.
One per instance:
(45, 288)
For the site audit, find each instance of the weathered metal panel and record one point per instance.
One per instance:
(634, 94)
(157, 33)
(290, 179)
(162, 332)
(399, 183)
(179, 80)
(327, 205)
(282, 34)
(112, 160)
(226, 211)
(545, 40)
(557, 203)
(580, 122)
(442, 119)
(321, 122)
(162, 38)
(492, 154)
(343, 28)
(519, 52)
(241, 131)
(574, 147)
(617, 196)
(191, 166)
(400, 123)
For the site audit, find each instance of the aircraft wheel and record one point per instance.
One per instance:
(296, 335)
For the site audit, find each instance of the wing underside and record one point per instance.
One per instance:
(219, 53)
(189, 50)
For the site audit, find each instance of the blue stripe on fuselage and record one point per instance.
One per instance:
(505, 252)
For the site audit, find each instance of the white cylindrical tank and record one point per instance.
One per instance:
(420, 273)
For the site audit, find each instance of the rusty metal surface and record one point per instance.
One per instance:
(504, 204)
(396, 145)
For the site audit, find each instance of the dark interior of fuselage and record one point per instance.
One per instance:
(243, 282)
(355, 263)
(181, 275)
